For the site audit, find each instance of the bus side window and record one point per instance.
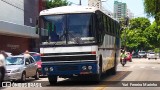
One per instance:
(112, 27)
(100, 27)
(105, 23)
(110, 24)
(116, 32)
(115, 28)
(119, 29)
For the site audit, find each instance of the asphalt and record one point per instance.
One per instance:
(129, 77)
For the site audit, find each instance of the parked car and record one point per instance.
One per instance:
(135, 55)
(37, 58)
(142, 54)
(20, 67)
(8, 53)
(152, 55)
(129, 56)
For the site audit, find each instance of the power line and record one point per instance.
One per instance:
(26, 11)
(12, 5)
(107, 5)
(9, 3)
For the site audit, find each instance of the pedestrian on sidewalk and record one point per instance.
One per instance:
(2, 66)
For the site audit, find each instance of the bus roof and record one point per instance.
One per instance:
(69, 9)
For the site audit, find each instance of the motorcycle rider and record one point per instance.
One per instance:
(123, 56)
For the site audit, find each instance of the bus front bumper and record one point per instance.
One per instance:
(62, 69)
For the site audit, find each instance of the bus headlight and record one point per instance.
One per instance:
(89, 67)
(84, 67)
(46, 68)
(51, 68)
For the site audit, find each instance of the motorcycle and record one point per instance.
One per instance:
(123, 61)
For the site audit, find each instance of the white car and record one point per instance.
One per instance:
(20, 67)
(152, 55)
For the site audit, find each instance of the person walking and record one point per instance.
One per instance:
(2, 67)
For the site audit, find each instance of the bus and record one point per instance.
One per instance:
(78, 41)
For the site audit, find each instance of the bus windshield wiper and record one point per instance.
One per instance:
(66, 34)
(76, 39)
(63, 35)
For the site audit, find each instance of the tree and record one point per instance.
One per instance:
(139, 23)
(152, 8)
(151, 34)
(56, 3)
(134, 37)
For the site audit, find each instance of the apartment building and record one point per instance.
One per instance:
(120, 10)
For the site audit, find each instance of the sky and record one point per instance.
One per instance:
(136, 6)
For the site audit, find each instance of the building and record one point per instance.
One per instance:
(17, 25)
(130, 14)
(120, 10)
(31, 11)
(98, 4)
(95, 3)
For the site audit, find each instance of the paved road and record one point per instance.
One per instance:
(138, 70)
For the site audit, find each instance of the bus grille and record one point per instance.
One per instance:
(67, 68)
(69, 58)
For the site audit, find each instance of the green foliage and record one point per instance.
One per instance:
(56, 3)
(157, 50)
(152, 8)
(141, 35)
(152, 35)
(139, 23)
(135, 37)
(149, 7)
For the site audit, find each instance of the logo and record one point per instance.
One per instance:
(6, 84)
(9, 84)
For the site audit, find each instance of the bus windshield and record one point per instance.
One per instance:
(67, 29)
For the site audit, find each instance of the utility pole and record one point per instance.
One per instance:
(80, 2)
(126, 24)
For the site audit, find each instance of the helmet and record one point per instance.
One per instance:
(123, 51)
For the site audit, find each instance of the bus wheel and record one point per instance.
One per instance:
(97, 77)
(113, 70)
(52, 79)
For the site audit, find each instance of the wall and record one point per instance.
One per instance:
(12, 11)
(16, 45)
(30, 12)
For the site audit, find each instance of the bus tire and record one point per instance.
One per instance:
(97, 77)
(52, 79)
(113, 71)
